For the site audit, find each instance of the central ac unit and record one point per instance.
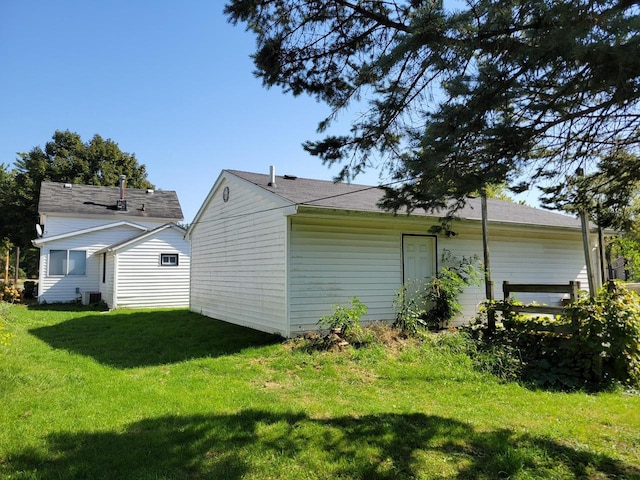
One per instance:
(90, 298)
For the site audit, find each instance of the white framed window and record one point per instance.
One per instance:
(169, 259)
(67, 262)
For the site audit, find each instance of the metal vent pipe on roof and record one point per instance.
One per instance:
(272, 175)
(123, 180)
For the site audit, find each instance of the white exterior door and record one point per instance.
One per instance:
(418, 257)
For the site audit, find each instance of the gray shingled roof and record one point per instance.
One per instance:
(95, 200)
(323, 193)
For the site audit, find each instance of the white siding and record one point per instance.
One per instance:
(106, 288)
(63, 288)
(332, 260)
(59, 225)
(143, 282)
(520, 255)
(238, 266)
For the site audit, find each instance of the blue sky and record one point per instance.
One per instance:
(169, 81)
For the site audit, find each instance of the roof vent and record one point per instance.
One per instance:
(272, 175)
(66, 185)
(290, 177)
(149, 191)
(121, 203)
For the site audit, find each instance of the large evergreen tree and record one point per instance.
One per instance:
(66, 158)
(494, 91)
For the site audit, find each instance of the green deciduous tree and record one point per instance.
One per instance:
(66, 158)
(456, 99)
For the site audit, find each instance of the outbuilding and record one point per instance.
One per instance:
(276, 253)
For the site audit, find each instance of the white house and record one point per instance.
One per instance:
(276, 253)
(119, 245)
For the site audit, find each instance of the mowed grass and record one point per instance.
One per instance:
(169, 394)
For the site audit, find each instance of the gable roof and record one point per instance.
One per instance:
(78, 200)
(344, 196)
(42, 240)
(141, 236)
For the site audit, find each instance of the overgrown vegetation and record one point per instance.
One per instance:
(593, 345)
(344, 327)
(434, 304)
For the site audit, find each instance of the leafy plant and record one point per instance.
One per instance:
(30, 289)
(592, 345)
(345, 319)
(435, 304)
(410, 306)
(607, 335)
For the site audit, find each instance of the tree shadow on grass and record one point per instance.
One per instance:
(130, 339)
(259, 444)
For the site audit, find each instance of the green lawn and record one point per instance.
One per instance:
(143, 394)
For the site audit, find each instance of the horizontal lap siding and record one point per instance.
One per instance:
(143, 282)
(238, 271)
(60, 225)
(106, 288)
(333, 261)
(520, 255)
(63, 288)
(555, 259)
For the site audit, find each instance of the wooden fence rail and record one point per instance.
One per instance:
(572, 288)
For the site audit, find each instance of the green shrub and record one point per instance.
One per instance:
(411, 308)
(606, 336)
(594, 344)
(346, 319)
(436, 303)
(30, 289)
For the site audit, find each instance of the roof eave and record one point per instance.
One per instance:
(314, 209)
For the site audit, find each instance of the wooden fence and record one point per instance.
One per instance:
(572, 288)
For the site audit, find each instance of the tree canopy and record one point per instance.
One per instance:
(513, 91)
(66, 158)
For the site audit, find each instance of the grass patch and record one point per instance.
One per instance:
(168, 394)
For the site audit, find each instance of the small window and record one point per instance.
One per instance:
(58, 262)
(169, 259)
(67, 262)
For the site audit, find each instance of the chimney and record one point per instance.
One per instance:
(121, 204)
(272, 175)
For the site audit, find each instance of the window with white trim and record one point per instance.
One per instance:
(169, 259)
(67, 262)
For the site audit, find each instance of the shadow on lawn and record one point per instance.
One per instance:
(136, 339)
(260, 444)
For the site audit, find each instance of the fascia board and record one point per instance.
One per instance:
(41, 241)
(333, 212)
(140, 237)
